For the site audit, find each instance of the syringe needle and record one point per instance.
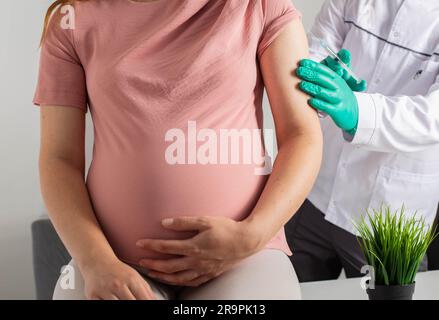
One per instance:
(335, 56)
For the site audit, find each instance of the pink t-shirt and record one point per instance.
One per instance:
(145, 70)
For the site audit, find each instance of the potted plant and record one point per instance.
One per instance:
(394, 246)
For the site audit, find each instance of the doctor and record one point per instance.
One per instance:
(381, 146)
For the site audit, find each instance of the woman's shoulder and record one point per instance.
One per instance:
(92, 4)
(89, 10)
(72, 19)
(83, 14)
(75, 12)
(270, 7)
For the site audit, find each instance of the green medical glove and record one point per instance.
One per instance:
(345, 56)
(330, 94)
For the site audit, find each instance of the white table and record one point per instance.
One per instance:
(427, 288)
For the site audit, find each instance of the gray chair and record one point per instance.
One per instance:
(49, 255)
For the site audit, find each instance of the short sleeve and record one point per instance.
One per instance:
(277, 14)
(61, 78)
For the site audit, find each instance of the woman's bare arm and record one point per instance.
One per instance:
(62, 170)
(298, 134)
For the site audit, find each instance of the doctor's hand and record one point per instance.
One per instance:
(220, 244)
(345, 56)
(330, 94)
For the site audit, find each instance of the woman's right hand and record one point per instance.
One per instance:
(115, 280)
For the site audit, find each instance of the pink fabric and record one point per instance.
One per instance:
(145, 68)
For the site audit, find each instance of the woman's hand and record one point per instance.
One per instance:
(115, 280)
(220, 244)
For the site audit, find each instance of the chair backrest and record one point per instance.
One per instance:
(49, 255)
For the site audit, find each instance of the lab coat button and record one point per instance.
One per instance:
(396, 34)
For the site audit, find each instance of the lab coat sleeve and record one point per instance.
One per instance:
(330, 26)
(398, 124)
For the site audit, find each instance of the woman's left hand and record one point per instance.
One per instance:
(219, 245)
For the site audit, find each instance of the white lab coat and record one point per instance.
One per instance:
(394, 156)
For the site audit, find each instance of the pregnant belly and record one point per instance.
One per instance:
(132, 194)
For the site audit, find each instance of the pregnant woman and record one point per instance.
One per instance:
(154, 219)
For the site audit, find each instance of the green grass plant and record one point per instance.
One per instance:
(394, 244)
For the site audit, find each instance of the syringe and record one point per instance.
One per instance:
(335, 56)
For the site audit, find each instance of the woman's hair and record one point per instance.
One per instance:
(54, 6)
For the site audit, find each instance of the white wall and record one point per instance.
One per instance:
(309, 8)
(20, 201)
